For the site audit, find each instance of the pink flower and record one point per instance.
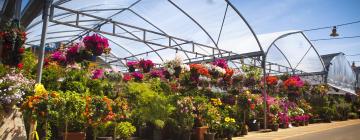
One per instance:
(97, 74)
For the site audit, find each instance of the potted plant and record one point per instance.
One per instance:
(98, 110)
(146, 65)
(124, 130)
(184, 115)
(71, 114)
(212, 119)
(274, 120)
(132, 65)
(228, 127)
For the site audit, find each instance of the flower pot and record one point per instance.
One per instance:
(157, 134)
(186, 136)
(177, 72)
(302, 123)
(284, 125)
(274, 127)
(245, 130)
(200, 131)
(146, 69)
(104, 138)
(296, 124)
(209, 136)
(75, 136)
(254, 126)
(229, 135)
(306, 123)
(131, 69)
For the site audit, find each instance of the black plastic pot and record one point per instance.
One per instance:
(209, 136)
(274, 127)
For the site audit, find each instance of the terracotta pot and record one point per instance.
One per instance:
(274, 127)
(284, 125)
(245, 130)
(209, 136)
(75, 136)
(200, 131)
(104, 138)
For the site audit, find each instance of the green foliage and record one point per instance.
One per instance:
(124, 130)
(149, 106)
(71, 111)
(3, 70)
(30, 63)
(51, 75)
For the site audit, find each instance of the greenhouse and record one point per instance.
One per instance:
(162, 70)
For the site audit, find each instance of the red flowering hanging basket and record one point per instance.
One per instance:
(12, 39)
(96, 44)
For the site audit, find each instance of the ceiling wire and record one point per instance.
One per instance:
(327, 27)
(346, 37)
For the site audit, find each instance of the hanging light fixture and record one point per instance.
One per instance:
(334, 32)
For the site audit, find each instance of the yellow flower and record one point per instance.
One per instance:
(39, 89)
(227, 119)
(247, 92)
(232, 120)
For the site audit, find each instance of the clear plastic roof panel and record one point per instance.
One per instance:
(341, 75)
(207, 24)
(291, 49)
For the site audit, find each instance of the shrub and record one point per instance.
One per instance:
(124, 130)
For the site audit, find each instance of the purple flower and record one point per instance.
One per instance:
(131, 63)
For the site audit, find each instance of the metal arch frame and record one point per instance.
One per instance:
(322, 62)
(197, 23)
(156, 27)
(291, 33)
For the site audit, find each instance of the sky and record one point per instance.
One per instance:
(266, 16)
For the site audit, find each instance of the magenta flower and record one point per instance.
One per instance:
(58, 56)
(138, 75)
(156, 73)
(97, 74)
(132, 63)
(96, 44)
(220, 63)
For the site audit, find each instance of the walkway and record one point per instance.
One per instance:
(343, 130)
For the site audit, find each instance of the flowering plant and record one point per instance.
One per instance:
(98, 109)
(132, 65)
(127, 77)
(229, 125)
(98, 74)
(138, 76)
(96, 44)
(156, 73)
(271, 80)
(184, 113)
(146, 65)
(220, 63)
(12, 39)
(293, 82)
(58, 56)
(13, 87)
(41, 103)
(175, 66)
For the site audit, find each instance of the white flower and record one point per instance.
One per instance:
(185, 67)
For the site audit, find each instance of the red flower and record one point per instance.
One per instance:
(20, 65)
(21, 50)
(271, 80)
(127, 77)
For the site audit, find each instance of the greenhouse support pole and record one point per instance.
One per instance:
(263, 65)
(45, 18)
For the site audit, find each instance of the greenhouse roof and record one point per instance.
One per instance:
(196, 30)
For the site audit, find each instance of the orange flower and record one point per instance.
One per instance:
(271, 80)
(229, 72)
(203, 71)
